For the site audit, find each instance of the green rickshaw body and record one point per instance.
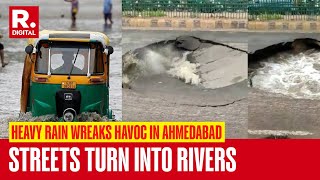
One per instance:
(95, 98)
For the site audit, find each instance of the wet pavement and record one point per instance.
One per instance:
(260, 40)
(90, 19)
(161, 97)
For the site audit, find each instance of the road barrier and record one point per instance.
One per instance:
(204, 9)
(293, 10)
(252, 10)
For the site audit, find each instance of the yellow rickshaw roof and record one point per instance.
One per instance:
(75, 36)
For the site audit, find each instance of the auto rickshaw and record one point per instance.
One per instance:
(67, 73)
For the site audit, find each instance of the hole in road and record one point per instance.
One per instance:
(194, 61)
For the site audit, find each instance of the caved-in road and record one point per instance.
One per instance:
(163, 98)
(273, 114)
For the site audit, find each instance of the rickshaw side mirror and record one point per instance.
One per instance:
(29, 49)
(109, 50)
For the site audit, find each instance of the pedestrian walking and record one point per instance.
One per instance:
(107, 11)
(2, 53)
(74, 10)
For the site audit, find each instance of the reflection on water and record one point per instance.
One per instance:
(10, 76)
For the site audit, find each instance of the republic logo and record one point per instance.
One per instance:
(23, 21)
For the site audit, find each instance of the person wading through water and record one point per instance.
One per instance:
(107, 11)
(74, 10)
(2, 54)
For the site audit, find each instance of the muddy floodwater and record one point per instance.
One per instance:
(296, 76)
(293, 71)
(284, 77)
(57, 19)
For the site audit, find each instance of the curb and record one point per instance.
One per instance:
(220, 24)
(306, 26)
(187, 24)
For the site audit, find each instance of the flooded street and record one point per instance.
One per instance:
(55, 16)
(10, 77)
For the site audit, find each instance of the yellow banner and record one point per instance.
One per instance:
(145, 132)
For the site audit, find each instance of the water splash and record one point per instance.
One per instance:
(154, 63)
(83, 117)
(185, 70)
(297, 76)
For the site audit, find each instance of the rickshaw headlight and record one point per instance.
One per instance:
(68, 104)
(69, 115)
(108, 50)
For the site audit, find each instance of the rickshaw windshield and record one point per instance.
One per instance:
(57, 58)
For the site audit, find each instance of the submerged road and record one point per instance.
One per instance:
(163, 98)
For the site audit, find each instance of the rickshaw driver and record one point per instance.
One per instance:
(67, 57)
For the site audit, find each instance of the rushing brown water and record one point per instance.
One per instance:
(294, 75)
